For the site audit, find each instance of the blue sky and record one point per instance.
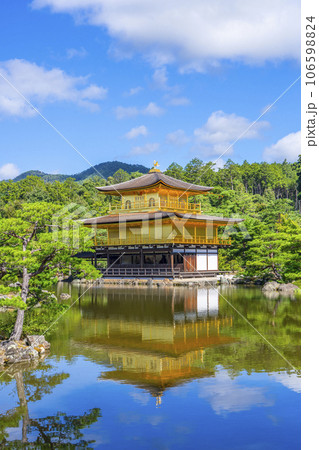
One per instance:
(135, 81)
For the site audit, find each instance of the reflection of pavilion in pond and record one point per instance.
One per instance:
(156, 339)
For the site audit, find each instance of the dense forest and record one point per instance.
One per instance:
(267, 196)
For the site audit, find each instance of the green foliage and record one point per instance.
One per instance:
(14, 302)
(267, 197)
(36, 247)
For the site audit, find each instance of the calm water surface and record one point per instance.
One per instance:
(162, 368)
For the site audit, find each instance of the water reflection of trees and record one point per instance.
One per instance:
(56, 431)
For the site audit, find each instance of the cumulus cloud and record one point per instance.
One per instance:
(228, 396)
(40, 85)
(221, 130)
(137, 131)
(9, 171)
(250, 31)
(288, 147)
(123, 112)
(145, 149)
(177, 138)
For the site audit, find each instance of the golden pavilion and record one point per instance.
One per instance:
(156, 228)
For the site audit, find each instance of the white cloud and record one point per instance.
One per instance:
(152, 110)
(123, 112)
(76, 53)
(179, 101)
(40, 85)
(290, 380)
(219, 163)
(194, 34)
(288, 147)
(133, 91)
(137, 131)
(177, 137)
(145, 149)
(160, 78)
(221, 130)
(228, 396)
(9, 171)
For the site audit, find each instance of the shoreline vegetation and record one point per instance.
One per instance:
(38, 219)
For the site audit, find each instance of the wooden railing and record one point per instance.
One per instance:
(141, 240)
(140, 272)
(157, 204)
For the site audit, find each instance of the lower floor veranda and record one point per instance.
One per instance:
(166, 260)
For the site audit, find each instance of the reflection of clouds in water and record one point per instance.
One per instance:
(14, 433)
(182, 429)
(140, 397)
(227, 395)
(155, 420)
(289, 380)
(129, 418)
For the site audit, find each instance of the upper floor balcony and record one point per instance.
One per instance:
(105, 240)
(153, 204)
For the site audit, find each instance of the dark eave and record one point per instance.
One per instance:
(158, 215)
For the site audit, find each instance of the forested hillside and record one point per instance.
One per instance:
(105, 170)
(267, 196)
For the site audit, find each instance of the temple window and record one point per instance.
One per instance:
(151, 201)
(128, 204)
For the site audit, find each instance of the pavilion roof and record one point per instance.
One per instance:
(158, 215)
(151, 179)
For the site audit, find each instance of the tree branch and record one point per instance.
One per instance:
(44, 263)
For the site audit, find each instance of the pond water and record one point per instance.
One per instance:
(162, 368)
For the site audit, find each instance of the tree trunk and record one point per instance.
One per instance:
(23, 404)
(18, 326)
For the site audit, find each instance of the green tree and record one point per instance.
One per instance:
(174, 170)
(275, 253)
(34, 254)
(119, 177)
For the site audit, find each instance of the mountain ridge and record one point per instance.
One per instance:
(105, 169)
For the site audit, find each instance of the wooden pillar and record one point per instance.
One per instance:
(142, 262)
(184, 260)
(172, 260)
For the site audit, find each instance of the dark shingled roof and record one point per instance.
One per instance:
(132, 217)
(149, 180)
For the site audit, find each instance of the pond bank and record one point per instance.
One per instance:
(32, 348)
(229, 279)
